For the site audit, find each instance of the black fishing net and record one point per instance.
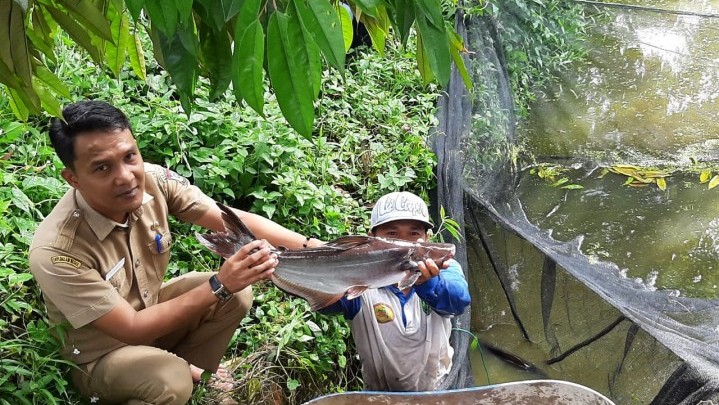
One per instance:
(568, 315)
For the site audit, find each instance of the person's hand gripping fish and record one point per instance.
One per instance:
(253, 262)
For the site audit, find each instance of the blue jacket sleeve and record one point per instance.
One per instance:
(348, 308)
(447, 293)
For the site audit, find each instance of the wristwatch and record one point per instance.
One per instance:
(222, 293)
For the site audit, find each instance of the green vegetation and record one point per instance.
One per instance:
(368, 138)
(540, 39)
(234, 41)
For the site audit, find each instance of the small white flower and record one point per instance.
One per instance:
(75, 351)
(94, 399)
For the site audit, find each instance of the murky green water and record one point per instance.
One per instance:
(649, 97)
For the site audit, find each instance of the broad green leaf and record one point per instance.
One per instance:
(90, 17)
(48, 102)
(184, 9)
(248, 14)
(347, 28)
(116, 51)
(661, 183)
(52, 81)
(81, 36)
(15, 53)
(404, 18)
(320, 20)
(425, 71)
(163, 15)
(248, 69)
(137, 56)
(368, 7)
(230, 8)
(377, 33)
(41, 35)
(7, 77)
(307, 53)
(432, 10)
(17, 106)
(459, 62)
(705, 175)
(180, 63)
(26, 98)
(9, 132)
(20, 200)
(210, 14)
(436, 46)
(289, 80)
(714, 182)
(135, 7)
(216, 52)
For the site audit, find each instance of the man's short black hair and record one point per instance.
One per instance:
(81, 117)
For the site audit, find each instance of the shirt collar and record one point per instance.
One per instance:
(100, 224)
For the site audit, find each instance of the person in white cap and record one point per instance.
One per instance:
(402, 336)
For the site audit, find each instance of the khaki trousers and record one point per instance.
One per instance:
(160, 374)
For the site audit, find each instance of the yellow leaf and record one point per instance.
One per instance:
(662, 183)
(705, 175)
(714, 182)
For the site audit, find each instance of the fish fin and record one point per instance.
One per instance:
(316, 299)
(347, 242)
(323, 300)
(355, 291)
(409, 280)
(233, 223)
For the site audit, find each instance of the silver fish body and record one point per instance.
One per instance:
(346, 266)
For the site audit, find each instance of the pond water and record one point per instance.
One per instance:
(625, 165)
(648, 97)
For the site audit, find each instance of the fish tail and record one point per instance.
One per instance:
(234, 225)
(223, 246)
(235, 236)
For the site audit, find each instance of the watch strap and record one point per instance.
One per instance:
(219, 289)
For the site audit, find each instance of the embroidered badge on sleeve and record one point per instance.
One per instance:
(170, 175)
(65, 261)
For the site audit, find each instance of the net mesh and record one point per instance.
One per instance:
(573, 316)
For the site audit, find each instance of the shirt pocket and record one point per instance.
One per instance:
(160, 252)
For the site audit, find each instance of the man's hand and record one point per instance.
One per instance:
(253, 262)
(429, 269)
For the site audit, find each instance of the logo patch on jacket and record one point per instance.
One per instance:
(383, 313)
(66, 261)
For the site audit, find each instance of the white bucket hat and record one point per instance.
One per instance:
(399, 205)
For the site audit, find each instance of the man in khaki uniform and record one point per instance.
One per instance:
(101, 255)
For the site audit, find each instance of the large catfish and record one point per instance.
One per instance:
(345, 266)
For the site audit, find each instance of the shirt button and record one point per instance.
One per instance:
(145, 294)
(137, 262)
(76, 214)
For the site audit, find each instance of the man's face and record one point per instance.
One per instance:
(405, 229)
(108, 172)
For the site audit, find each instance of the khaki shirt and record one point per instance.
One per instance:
(86, 263)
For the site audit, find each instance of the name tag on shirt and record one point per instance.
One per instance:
(115, 269)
